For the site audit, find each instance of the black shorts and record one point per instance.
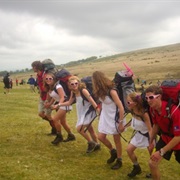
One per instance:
(160, 144)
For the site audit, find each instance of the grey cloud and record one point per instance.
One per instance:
(123, 25)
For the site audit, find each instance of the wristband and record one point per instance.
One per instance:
(161, 152)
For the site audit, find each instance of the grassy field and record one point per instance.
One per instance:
(25, 148)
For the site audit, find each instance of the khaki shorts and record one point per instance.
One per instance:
(41, 108)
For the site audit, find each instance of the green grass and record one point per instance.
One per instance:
(27, 154)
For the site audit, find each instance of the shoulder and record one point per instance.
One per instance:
(83, 90)
(57, 85)
(113, 91)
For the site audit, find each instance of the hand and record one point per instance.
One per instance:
(156, 157)
(47, 104)
(121, 128)
(98, 111)
(54, 107)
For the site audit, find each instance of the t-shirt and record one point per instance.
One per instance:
(40, 85)
(163, 122)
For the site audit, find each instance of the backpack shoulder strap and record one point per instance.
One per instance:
(109, 92)
(83, 96)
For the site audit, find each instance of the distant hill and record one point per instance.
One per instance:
(150, 64)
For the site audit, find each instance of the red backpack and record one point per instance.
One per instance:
(171, 90)
(171, 94)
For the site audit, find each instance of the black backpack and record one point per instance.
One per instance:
(125, 85)
(63, 76)
(88, 82)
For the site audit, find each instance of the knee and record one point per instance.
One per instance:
(128, 150)
(152, 164)
(79, 129)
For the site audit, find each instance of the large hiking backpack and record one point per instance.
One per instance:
(88, 82)
(124, 85)
(171, 94)
(171, 90)
(49, 66)
(62, 76)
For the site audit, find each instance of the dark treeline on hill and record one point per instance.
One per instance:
(3, 73)
(90, 59)
(169, 51)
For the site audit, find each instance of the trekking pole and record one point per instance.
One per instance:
(88, 125)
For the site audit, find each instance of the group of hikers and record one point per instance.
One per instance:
(108, 106)
(8, 83)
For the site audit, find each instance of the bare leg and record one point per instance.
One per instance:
(105, 141)
(130, 151)
(117, 141)
(80, 130)
(92, 134)
(154, 167)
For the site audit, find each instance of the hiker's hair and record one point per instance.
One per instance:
(101, 84)
(46, 86)
(38, 65)
(137, 99)
(81, 84)
(154, 89)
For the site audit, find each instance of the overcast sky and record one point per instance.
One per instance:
(69, 30)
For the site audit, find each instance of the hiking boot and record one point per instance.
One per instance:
(136, 170)
(149, 175)
(70, 137)
(58, 139)
(117, 165)
(97, 147)
(91, 147)
(53, 131)
(113, 153)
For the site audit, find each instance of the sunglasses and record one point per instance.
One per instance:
(129, 102)
(72, 84)
(49, 79)
(152, 97)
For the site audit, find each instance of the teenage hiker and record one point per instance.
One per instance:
(7, 85)
(31, 82)
(169, 141)
(56, 91)
(86, 112)
(44, 113)
(141, 124)
(109, 123)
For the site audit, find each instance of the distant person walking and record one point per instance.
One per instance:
(32, 82)
(7, 85)
(111, 120)
(16, 82)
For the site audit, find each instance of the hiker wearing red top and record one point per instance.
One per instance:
(43, 112)
(169, 141)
